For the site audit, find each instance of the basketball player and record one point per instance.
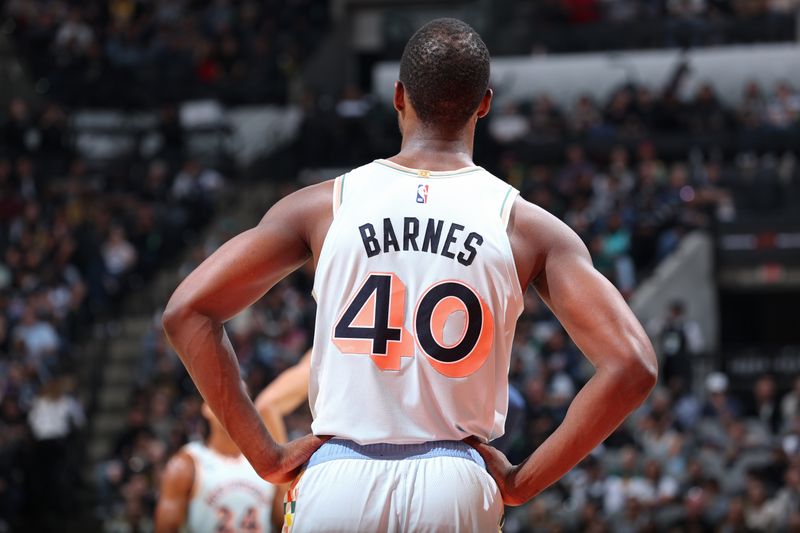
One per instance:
(421, 263)
(286, 392)
(211, 488)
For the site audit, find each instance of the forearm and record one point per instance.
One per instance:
(206, 352)
(597, 410)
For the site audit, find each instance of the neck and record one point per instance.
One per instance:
(432, 149)
(221, 443)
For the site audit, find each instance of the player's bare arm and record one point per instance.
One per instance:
(287, 391)
(604, 328)
(232, 278)
(273, 419)
(175, 493)
(278, 399)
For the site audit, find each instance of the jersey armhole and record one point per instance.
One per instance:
(507, 205)
(338, 190)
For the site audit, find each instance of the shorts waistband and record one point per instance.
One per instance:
(346, 449)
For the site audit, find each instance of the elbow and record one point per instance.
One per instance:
(644, 375)
(637, 371)
(175, 314)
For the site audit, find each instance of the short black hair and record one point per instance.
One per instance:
(445, 71)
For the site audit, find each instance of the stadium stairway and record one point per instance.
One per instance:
(118, 365)
(686, 275)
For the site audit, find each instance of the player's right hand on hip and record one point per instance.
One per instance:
(500, 469)
(291, 458)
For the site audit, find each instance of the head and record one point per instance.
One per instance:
(444, 78)
(764, 388)
(677, 309)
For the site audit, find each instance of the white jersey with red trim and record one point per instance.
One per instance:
(228, 496)
(417, 302)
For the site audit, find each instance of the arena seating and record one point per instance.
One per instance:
(631, 206)
(95, 203)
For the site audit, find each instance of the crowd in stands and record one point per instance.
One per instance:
(622, 173)
(703, 458)
(696, 457)
(74, 239)
(631, 175)
(129, 53)
(591, 25)
(590, 11)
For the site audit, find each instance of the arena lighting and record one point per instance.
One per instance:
(760, 241)
(771, 273)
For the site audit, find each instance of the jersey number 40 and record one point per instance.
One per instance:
(372, 324)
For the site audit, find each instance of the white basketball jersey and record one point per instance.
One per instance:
(228, 496)
(417, 300)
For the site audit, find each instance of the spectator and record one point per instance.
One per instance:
(760, 514)
(74, 34)
(752, 107)
(54, 417)
(624, 485)
(37, 337)
(719, 405)
(679, 339)
(509, 125)
(18, 129)
(786, 504)
(119, 257)
(764, 405)
(783, 109)
(790, 405)
(708, 114)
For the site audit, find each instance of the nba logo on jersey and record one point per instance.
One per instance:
(422, 194)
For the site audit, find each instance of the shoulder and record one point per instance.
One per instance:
(529, 220)
(536, 234)
(180, 471)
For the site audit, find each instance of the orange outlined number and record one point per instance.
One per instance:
(372, 322)
(469, 351)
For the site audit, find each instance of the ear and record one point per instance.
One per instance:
(399, 96)
(486, 104)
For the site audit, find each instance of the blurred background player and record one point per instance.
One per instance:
(286, 392)
(290, 389)
(209, 487)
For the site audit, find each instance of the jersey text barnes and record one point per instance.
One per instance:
(431, 236)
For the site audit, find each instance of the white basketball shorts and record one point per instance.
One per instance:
(432, 487)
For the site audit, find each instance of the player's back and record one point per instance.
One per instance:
(417, 299)
(227, 495)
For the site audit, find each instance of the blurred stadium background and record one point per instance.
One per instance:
(138, 135)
